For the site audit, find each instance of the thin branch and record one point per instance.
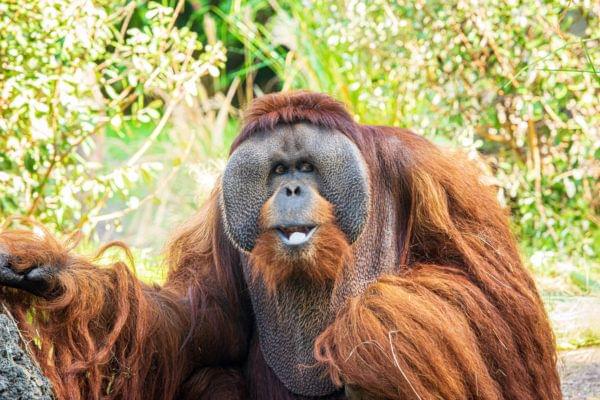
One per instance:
(155, 133)
(176, 12)
(579, 71)
(506, 64)
(169, 110)
(537, 169)
(221, 120)
(129, 9)
(55, 161)
(160, 188)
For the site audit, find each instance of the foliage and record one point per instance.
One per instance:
(516, 84)
(94, 132)
(227, 21)
(69, 70)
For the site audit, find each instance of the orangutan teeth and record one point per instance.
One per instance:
(297, 238)
(296, 235)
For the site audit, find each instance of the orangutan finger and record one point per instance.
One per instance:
(8, 277)
(38, 281)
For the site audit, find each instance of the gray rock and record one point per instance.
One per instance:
(580, 374)
(20, 377)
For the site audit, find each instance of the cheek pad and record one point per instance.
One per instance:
(244, 192)
(344, 183)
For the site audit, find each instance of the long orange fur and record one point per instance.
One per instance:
(109, 336)
(461, 320)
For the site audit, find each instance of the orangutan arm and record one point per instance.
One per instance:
(103, 332)
(430, 334)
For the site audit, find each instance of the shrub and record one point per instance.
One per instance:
(69, 71)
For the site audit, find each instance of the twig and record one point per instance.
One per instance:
(157, 131)
(169, 110)
(129, 9)
(58, 159)
(221, 120)
(537, 169)
(159, 188)
(508, 67)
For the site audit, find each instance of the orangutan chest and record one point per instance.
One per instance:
(287, 324)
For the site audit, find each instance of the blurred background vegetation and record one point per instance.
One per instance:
(116, 116)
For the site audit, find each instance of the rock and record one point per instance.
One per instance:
(580, 374)
(20, 377)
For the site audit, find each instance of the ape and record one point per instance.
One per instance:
(333, 260)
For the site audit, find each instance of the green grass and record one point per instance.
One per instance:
(147, 265)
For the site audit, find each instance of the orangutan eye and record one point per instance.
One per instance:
(306, 167)
(280, 169)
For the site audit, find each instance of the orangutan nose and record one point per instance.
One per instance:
(294, 205)
(293, 190)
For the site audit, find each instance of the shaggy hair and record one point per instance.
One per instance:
(462, 318)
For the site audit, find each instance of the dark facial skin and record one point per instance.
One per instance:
(290, 167)
(292, 210)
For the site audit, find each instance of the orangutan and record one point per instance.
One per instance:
(333, 260)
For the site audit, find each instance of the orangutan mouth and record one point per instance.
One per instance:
(296, 235)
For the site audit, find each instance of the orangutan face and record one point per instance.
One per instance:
(296, 195)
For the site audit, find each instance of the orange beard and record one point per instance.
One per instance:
(320, 262)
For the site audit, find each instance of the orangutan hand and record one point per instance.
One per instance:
(29, 262)
(36, 280)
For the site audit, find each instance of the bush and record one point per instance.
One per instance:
(515, 84)
(69, 71)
